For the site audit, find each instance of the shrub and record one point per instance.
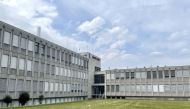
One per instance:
(24, 97)
(7, 99)
(41, 97)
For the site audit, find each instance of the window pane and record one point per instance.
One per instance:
(29, 65)
(21, 64)
(35, 83)
(4, 61)
(13, 62)
(30, 45)
(23, 43)
(15, 40)
(7, 36)
(3, 84)
(172, 73)
(12, 84)
(20, 85)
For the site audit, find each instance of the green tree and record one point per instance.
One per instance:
(41, 98)
(7, 99)
(24, 97)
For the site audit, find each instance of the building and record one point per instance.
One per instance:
(31, 64)
(162, 82)
(34, 65)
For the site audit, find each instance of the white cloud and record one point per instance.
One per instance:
(92, 26)
(156, 53)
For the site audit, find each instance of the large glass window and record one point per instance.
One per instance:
(3, 84)
(160, 74)
(132, 75)
(15, 40)
(154, 74)
(36, 66)
(138, 75)
(108, 88)
(127, 75)
(166, 74)
(108, 76)
(30, 45)
(143, 75)
(172, 73)
(21, 64)
(148, 75)
(6, 38)
(12, 84)
(4, 61)
(23, 43)
(179, 73)
(20, 85)
(46, 86)
(185, 73)
(29, 65)
(122, 75)
(42, 49)
(36, 48)
(35, 85)
(28, 85)
(112, 88)
(13, 62)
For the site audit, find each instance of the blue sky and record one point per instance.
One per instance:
(124, 33)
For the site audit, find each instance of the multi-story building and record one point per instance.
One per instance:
(34, 65)
(31, 64)
(162, 82)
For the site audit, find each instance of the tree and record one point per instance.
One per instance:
(24, 97)
(41, 97)
(7, 99)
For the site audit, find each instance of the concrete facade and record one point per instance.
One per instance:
(39, 67)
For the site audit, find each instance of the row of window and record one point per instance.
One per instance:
(149, 75)
(39, 86)
(55, 70)
(41, 49)
(149, 88)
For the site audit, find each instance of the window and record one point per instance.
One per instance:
(3, 84)
(48, 51)
(117, 75)
(137, 75)
(62, 56)
(166, 74)
(28, 85)
(108, 88)
(13, 62)
(23, 43)
(43, 50)
(41, 86)
(148, 75)
(117, 88)
(155, 88)
(46, 86)
(12, 84)
(20, 85)
(154, 74)
(30, 45)
(172, 73)
(108, 76)
(57, 70)
(132, 75)
(112, 76)
(36, 66)
(122, 75)
(160, 74)
(36, 48)
(42, 67)
(21, 64)
(58, 54)
(53, 53)
(15, 40)
(112, 88)
(29, 65)
(161, 88)
(179, 73)
(35, 83)
(56, 87)
(48, 69)
(143, 75)
(127, 75)
(7, 36)
(52, 70)
(185, 73)
(4, 61)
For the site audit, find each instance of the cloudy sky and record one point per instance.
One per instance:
(124, 33)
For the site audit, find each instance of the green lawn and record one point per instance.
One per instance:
(116, 104)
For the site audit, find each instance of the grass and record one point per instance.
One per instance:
(115, 104)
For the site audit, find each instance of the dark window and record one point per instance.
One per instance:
(53, 53)
(58, 54)
(132, 75)
(112, 88)
(172, 73)
(117, 75)
(108, 88)
(99, 79)
(97, 69)
(47, 69)
(154, 75)
(36, 48)
(166, 74)
(127, 75)
(148, 75)
(48, 51)
(53, 70)
(117, 88)
(62, 56)
(43, 50)
(160, 74)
